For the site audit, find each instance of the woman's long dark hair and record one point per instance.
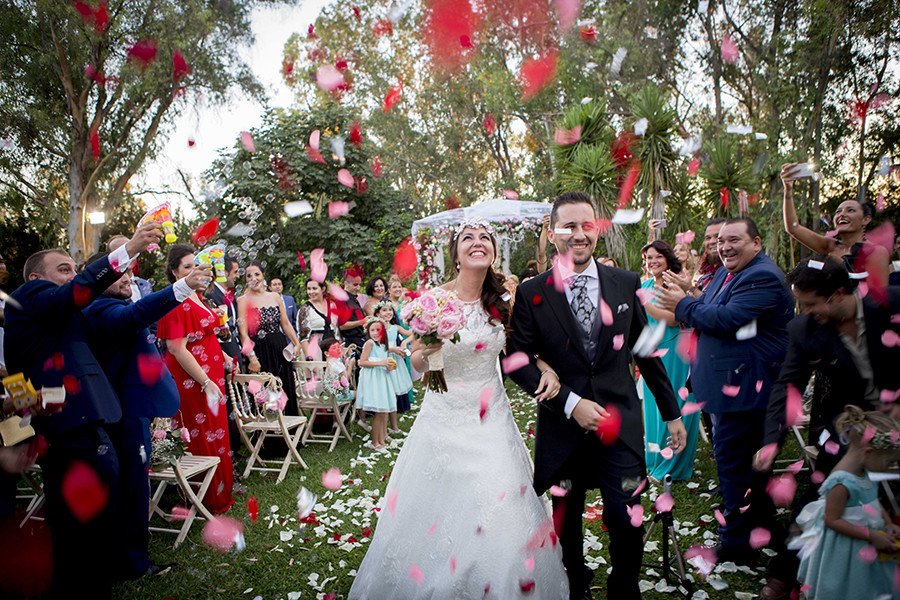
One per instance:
(173, 259)
(673, 263)
(492, 290)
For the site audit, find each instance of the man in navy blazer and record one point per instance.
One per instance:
(47, 341)
(290, 306)
(122, 342)
(741, 325)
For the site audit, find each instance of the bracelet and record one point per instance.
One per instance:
(550, 371)
(204, 384)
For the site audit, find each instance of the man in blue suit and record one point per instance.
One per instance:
(290, 306)
(741, 325)
(146, 390)
(47, 340)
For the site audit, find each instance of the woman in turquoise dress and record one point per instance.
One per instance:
(659, 257)
(398, 297)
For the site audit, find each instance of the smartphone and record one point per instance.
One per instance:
(804, 170)
(658, 223)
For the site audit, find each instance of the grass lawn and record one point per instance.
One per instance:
(280, 563)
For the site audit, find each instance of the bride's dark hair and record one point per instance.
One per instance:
(492, 290)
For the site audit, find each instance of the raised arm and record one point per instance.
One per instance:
(809, 238)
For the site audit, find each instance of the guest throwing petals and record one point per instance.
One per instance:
(197, 363)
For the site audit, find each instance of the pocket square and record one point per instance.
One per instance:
(622, 308)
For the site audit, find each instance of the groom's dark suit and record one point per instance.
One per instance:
(544, 326)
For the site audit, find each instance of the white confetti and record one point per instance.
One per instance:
(739, 129)
(690, 145)
(746, 332)
(627, 216)
(640, 127)
(762, 136)
(297, 208)
(617, 60)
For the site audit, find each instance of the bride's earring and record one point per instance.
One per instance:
(457, 266)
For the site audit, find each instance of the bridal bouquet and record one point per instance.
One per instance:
(435, 316)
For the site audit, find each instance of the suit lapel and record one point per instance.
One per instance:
(560, 308)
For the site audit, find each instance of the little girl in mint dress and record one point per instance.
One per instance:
(847, 564)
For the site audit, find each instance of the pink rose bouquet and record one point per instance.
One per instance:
(435, 316)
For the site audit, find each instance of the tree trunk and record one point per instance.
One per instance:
(77, 209)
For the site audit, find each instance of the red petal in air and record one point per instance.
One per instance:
(392, 97)
(95, 143)
(608, 428)
(142, 53)
(83, 491)
(180, 68)
(489, 123)
(628, 186)
(406, 259)
(383, 27)
(356, 134)
(314, 155)
(150, 368)
(206, 232)
(375, 167)
(537, 73)
(449, 27)
(724, 196)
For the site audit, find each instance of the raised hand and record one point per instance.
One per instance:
(148, 233)
(199, 277)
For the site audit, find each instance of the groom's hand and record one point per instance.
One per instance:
(588, 413)
(677, 436)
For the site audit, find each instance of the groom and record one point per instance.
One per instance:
(585, 332)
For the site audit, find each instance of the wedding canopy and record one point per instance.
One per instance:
(512, 219)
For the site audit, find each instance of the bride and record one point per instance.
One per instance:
(461, 519)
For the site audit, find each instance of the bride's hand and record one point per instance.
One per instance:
(429, 349)
(548, 387)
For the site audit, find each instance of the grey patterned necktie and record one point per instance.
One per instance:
(581, 304)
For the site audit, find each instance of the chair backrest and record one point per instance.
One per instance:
(311, 374)
(246, 405)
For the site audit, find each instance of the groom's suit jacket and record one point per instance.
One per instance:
(543, 325)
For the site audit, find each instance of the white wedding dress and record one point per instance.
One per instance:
(466, 522)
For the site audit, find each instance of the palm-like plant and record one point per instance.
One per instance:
(587, 166)
(726, 171)
(653, 149)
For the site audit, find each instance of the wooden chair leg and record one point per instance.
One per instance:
(196, 499)
(312, 419)
(254, 454)
(341, 417)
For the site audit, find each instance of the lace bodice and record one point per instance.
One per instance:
(269, 320)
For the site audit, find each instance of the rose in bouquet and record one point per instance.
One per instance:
(435, 316)
(167, 442)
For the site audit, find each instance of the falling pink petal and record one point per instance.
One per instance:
(345, 178)
(832, 447)
(557, 491)
(660, 353)
(392, 98)
(628, 186)
(452, 565)
(731, 390)
(392, 501)
(664, 503)
(514, 362)
(795, 467)
(720, 517)
(817, 477)
(180, 513)
(247, 142)
(759, 385)
(683, 393)
(501, 497)
(636, 513)
(537, 73)
(254, 386)
(433, 527)
(606, 315)
(867, 554)
(329, 78)
(871, 510)
(640, 488)
(568, 12)
(760, 537)
(318, 269)
(247, 347)
(222, 533)
(729, 50)
(895, 436)
(883, 236)
(483, 400)
(567, 137)
(767, 451)
(693, 168)
(337, 209)
(782, 489)
(708, 556)
(667, 453)
(686, 348)
(618, 342)
(314, 139)
(879, 203)
(794, 406)
(510, 194)
(337, 292)
(331, 479)
(890, 339)
(150, 368)
(479, 347)
(690, 408)
(645, 295)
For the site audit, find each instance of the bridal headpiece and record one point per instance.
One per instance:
(473, 223)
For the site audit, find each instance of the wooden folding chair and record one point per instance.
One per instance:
(180, 474)
(809, 453)
(315, 399)
(256, 424)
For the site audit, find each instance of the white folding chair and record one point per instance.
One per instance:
(256, 424)
(180, 474)
(315, 399)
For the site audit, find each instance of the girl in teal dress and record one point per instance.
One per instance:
(658, 258)
(846, 526)
(398, 339)
(375, 391)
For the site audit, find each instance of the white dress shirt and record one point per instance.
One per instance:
(593, 290)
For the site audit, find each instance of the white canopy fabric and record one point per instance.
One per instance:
(492, 211)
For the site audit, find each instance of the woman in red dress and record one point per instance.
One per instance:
(197, 363)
